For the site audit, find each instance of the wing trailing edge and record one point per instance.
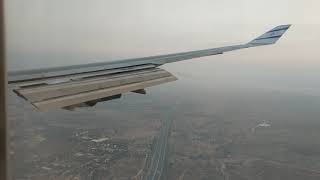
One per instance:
(87, 91)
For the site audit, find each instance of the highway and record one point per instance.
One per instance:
(158, 159)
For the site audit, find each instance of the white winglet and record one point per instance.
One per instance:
(271, 36)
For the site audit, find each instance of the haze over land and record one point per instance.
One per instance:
(211, 135)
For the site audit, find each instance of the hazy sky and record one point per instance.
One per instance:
(43, 33)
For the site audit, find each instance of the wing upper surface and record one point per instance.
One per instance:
(267, 38)
(85, 85)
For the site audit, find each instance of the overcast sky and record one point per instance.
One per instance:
(42, 33)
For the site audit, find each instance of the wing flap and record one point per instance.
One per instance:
(83, 90)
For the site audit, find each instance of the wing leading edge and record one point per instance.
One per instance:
(267, 38)
(88, 84)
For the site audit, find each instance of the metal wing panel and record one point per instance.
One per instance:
(70, 93)
(40, 93)
(88, 96)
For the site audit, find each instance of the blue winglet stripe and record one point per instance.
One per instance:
(281, 29)
(269, 37)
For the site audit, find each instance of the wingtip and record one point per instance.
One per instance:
(271, 36)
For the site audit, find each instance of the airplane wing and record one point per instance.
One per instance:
(85, 85)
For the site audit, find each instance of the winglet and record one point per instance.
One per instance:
(271, 36)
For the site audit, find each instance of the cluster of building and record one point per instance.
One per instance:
(86, 157)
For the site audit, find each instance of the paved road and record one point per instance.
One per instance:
(158, 160)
